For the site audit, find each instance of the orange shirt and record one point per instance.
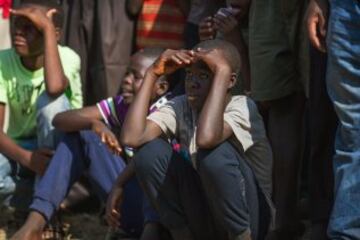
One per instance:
(160, 24)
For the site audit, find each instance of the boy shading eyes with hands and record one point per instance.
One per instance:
(213, 193)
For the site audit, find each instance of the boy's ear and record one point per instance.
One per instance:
(233, 80)
(162, 87)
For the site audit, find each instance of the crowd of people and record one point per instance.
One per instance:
(189, 119)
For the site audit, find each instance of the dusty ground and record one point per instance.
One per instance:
(82, 226)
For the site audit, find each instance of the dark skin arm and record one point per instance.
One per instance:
(87, 118)
(211, 128)
(116, 196)
(138, 129)
(55, 80)
(77, 119)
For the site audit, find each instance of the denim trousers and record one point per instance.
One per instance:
(17, 179)
(220, 199)
(343, 84)
(82, 153)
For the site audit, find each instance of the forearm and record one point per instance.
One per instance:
(55, 79)
(135, 122)
(10, 149)
(211, 120)
(77, 119)
(126, 175)
(67, 124)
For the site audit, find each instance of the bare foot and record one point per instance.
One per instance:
(26, 234)
(32, 229)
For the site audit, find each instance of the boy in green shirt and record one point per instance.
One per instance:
(38, 79)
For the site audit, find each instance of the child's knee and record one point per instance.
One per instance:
(151, 154)
(47, 107)
(209, 161)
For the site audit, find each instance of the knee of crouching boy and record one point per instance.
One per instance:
(150, 155)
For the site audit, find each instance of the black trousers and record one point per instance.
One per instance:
(323, 124)
(218, 200)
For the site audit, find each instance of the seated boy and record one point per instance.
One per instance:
(89, 146)
(38, 78)
(212, 193)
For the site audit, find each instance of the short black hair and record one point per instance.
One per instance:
(230, 52)
(58, 17)
(154, 53)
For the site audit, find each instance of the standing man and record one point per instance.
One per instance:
(278, 56)
(342, 45)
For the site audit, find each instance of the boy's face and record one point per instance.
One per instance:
(134, 76)
(27, 40)
(197, 84)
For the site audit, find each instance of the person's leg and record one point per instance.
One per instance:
(233, 192)
(75, 154)
(323, 123)
(285, 132)
(343, 84)
(7, 183)
(47, 108)
(174, 188)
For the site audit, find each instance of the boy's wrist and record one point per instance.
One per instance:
(223, 69)
(26, 158)
(48, 28)
(152, 74)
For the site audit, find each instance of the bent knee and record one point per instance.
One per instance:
(213, 160)
(152, 155)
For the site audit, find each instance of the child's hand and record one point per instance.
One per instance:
(40, 18)
(225, 20)
(214, 58)
(107, 137)
(39, 160)
(113, 206)
(172, 60)
(207, 29)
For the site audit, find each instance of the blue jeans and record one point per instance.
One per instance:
(343, 83)
(83, 152)
(11, 173)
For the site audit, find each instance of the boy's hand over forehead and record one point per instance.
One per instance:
(214, 59)
(172, 60)
(41, 18)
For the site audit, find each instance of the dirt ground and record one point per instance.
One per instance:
(82, 227)
(85, 224)
(79, 226)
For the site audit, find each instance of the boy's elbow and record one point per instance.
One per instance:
(129, 141)
(206, 141)
(57, 89)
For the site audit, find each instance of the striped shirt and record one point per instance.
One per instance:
(113, 112)
(160, 24)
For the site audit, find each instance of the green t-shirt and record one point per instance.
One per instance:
(20, 89)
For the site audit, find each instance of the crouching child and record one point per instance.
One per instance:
(215, 185)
